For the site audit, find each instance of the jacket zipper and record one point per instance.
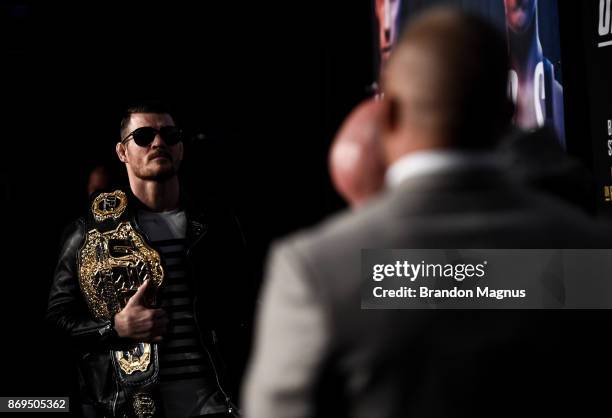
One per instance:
(230, 408)
(116, 395)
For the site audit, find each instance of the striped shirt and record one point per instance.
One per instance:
(187, 379)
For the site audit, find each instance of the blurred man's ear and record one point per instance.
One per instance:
(389, 125)
(389, 115)
(120, 150)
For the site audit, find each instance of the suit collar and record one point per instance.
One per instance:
(426, 163)
(448, 181)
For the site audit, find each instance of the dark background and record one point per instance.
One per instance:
(268, 83)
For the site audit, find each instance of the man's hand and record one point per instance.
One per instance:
(138, 322)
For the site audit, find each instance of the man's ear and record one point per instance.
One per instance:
(389, 125)
(120, 149)
(389, 115)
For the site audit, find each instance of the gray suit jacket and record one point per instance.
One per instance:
(318, 354)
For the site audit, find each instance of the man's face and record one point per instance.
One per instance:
(156, 161)
(520, 14)
(387, 12)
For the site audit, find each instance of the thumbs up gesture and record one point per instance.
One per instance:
(138, 322)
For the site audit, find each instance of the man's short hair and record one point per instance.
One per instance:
(142, 107)
(458, 85)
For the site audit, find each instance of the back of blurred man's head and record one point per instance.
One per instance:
(445, 86)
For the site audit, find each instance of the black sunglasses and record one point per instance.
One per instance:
(145, 135)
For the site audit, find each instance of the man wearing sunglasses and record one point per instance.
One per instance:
(198, 322)
(152, 153)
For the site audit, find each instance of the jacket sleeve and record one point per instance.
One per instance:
(292, 343)
(67, 311)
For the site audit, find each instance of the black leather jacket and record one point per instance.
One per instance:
(223, 306)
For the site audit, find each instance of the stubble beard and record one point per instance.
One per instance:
(158, 174)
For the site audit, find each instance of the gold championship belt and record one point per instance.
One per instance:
(113, 262)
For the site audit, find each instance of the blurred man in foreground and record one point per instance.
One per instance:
(318, 354)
